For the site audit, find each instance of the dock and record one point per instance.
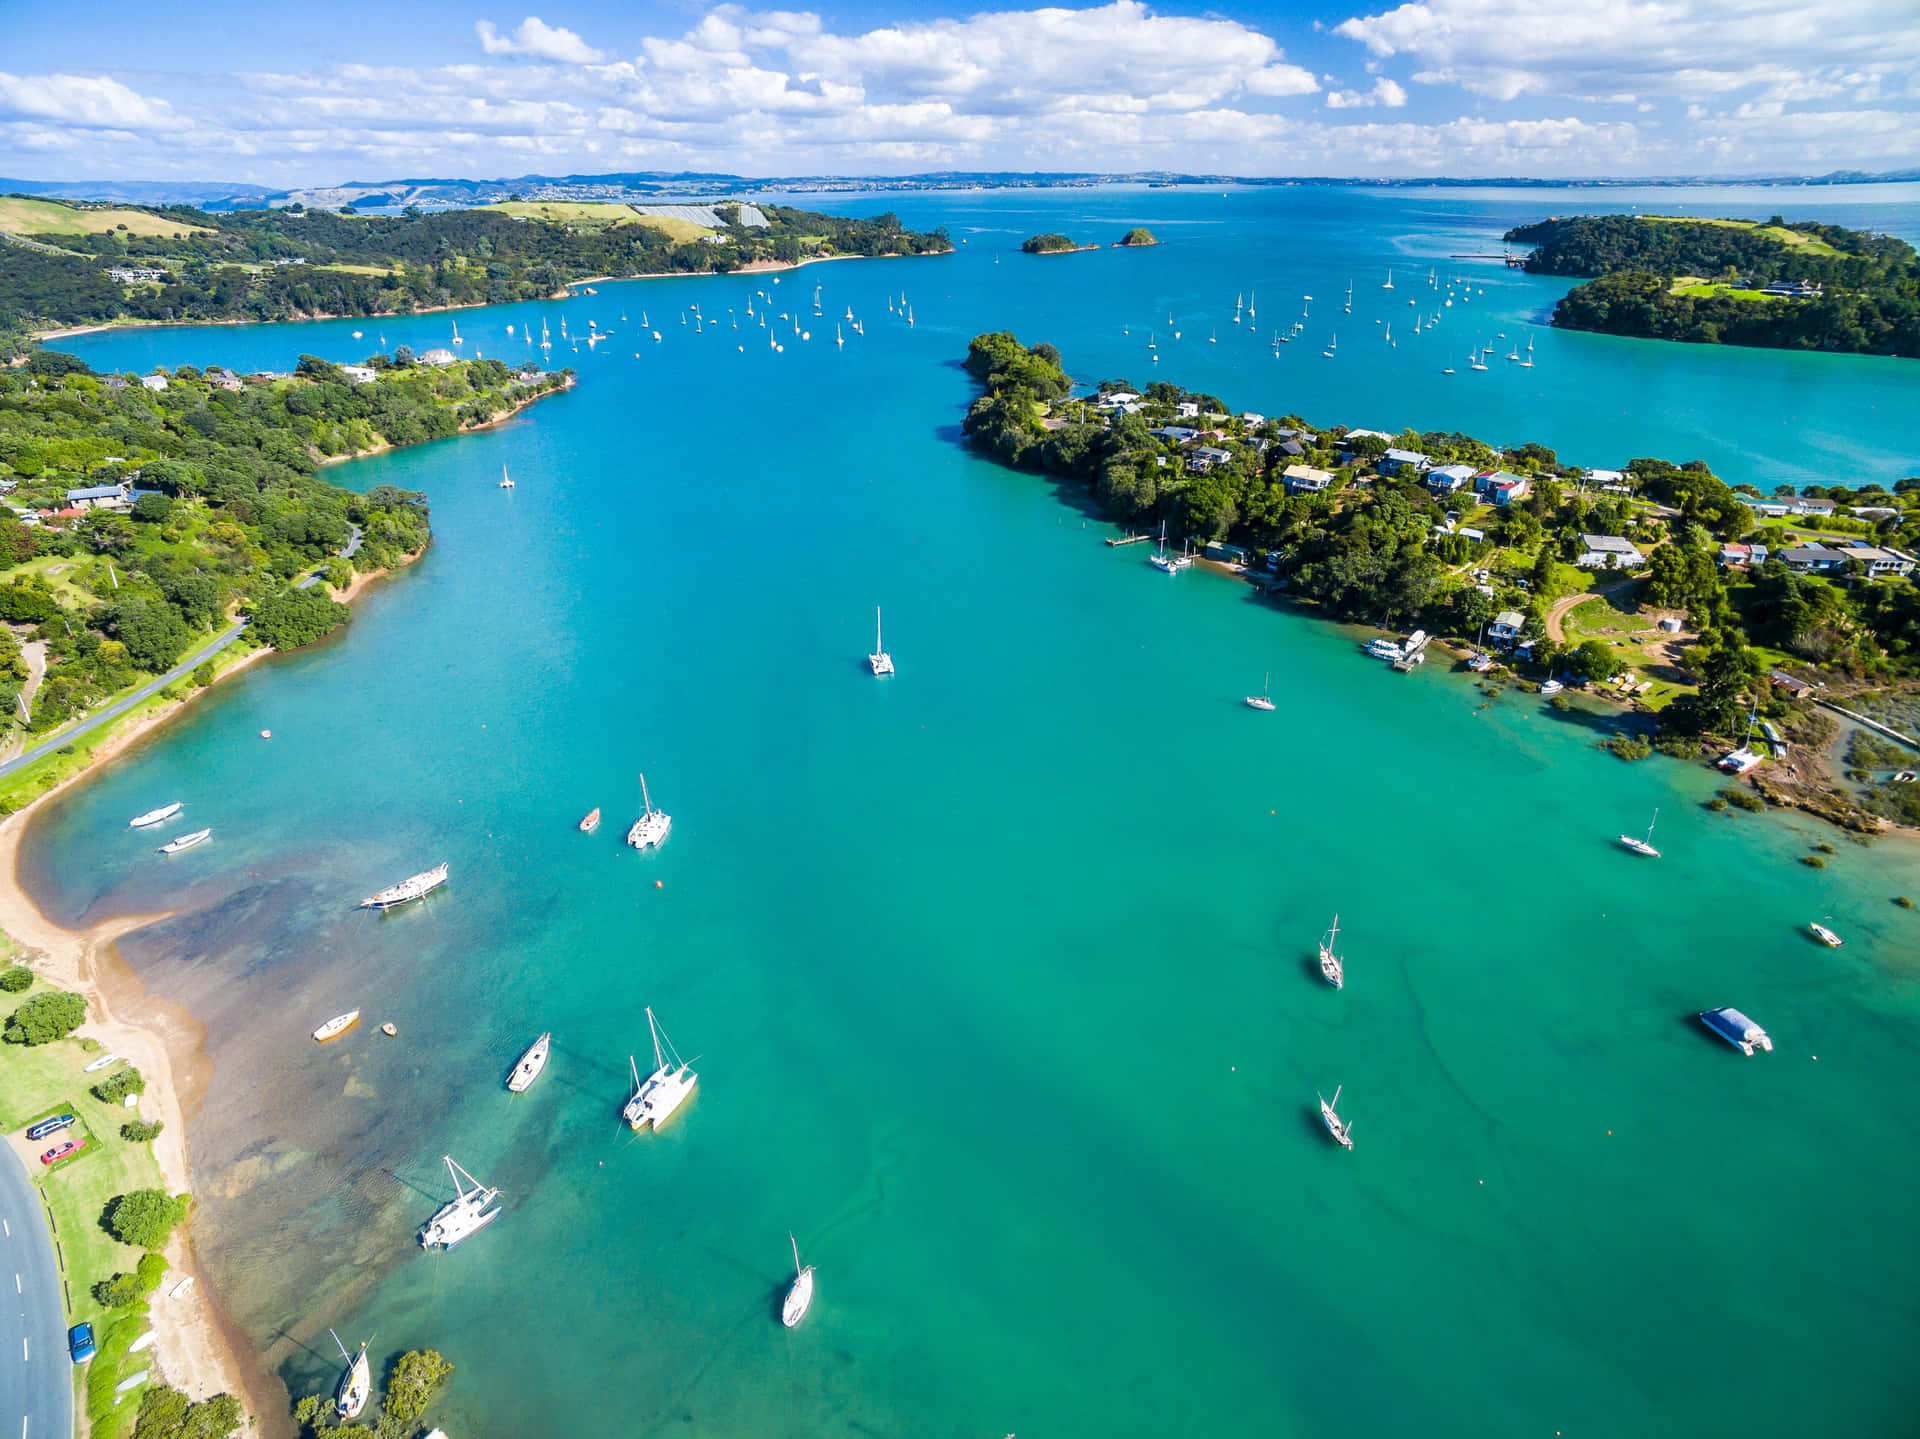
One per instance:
(1513, 261)
(1129, 539)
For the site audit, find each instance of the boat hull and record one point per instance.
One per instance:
(530, 1066)
(337, 1026)
(799, 1299)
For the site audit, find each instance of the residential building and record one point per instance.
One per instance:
(1305, 479)
(1253, 421)
(1187, 410)
(1798, 688)
(153, 382)
(1394, 461)
(1226, 554)
(1736, 555)
(1504, 489)
(1445, 479)
(1600, 552)
(1817, 505)
(1177, 434)
(223, 379)
(1507, 625)
(136, 276)
(1206, 458)
(1820, 559)
(360, 374)
(1767, 509)
(99, 497)
(1610, 481)
(438, 357)
(1876, 513)
(1353, 435)
(1292, 448)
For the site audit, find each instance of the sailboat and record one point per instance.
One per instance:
(651, 829)
(463, 1216)
(839, 338)
(1527, 363)
(880, 662)
(1239, 303)
(1250, 309)
(1336, 1126)
(1643, 846)
(1332, 345)
(424, 883)
(1160, 559)
(154, 816)
(1746, 758)
(657, 1097)
(531, 1065)
(456, 334)
(1332, 968)
(1474, 361)
(1214, 338)
(506, 480)
(1263, 700)
(1389, 284)
(356, 1385)
(800, 1297)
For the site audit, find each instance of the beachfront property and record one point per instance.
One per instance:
(1394, 461)
(1610, 482)
(1609, 552)
(224, 379)
(1819, 559)
(1227, 554)
(1305, 479)
(1445, 479)
(1798, 688)
(1506, 626)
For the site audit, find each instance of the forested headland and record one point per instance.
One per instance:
(303, 264)
(1707, 282)
(207, 503)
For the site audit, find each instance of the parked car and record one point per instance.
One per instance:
(80, 1343)
(61, 1151)
(51, 1125)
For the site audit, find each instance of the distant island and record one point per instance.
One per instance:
(1138, 235)
(1051, 244)
(1441, 530)
(70, 265)
(143, 514)
(1798, 286)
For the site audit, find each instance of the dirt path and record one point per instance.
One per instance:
(1560, 607)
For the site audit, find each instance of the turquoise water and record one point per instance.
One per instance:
(1000, 972)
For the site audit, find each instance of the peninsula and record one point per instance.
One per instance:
(70, 264)
(1656, 584)
(1798, 286)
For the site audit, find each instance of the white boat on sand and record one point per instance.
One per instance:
(155, 816)
(531, 1065)
(662, 1092)
(424, 883)
(800, 1297)
(337, 1026)
(185, 841)
(466, 1214)
(101, 1063)
(650, 831)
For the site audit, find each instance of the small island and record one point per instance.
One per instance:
(1796, 286)
(1139, 235)
(1658, 585)
(1052, 244)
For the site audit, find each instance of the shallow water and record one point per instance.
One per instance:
(1000, 972)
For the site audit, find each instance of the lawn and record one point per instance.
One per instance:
(1811, 244)
(1601, 617)
(673, 227)
(48, 217)
(1704, 288)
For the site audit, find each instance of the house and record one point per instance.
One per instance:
(438, 357)
(1445, 479)
(1767, 509)
(1876, 513)
(1394, 461)
(99, 497)
(1226, 554)
(1504, 489)
(1206, 457)
(1736, 555)
(1601, 552)
(1613, 482)
(1305, 479)
(155, 382)
(1799, 689)
(360, 374)
(128, 276)
(1468, 532)
(1507, 625)
(116, 382)
(1816, 505)
(1253, 421)
(1353, 435)
(1883, 562)
(1176, 434)
(1820, 559)
(1187, 410)
(1292, 449)
(1114, 398)
(223, 379)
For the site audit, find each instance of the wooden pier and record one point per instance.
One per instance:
(1129, 539)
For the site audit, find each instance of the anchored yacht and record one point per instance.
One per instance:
(154, 816)
(651, 829)
(424, 883)
(800, 1296)
(466, 1214)
(356, 1385)
(1332, 968)
(185, 841)
(531, 1065)
(661, 1093)
(1339, 1128)
(880, 662)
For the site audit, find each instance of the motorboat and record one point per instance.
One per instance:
(531, 1065)
(337, 1026)
(800, 1296)
(1339, 1128)
(662, 1092)
(1551, 687)
(1739, 1031)
(651, 829)
(155, 816)
(466, 1214)
(1382, 648)
(186, 841)
(422, 884)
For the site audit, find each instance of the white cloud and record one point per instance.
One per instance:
(87, 102)
(537, 38)
(1384, 92)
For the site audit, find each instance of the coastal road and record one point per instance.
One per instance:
(153, 687)
(36, 1379)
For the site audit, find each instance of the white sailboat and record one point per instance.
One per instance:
(880, 662)
(800, 1297)
(506, 480)
(531, 1065)
(463, 1216)
(662, 1092)
(1336, 1126)
(1643, 846)
(356, 1385)
(424, 883)
(185, 841)
(1332, 968)
(456, 334)
(1263, 700)
(337, 1026)
(1333, 344)
(1389, 284)
(154, 816)
(651, 829)
(1160, 559)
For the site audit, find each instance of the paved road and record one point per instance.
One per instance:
(36, 1380)
(153, 687)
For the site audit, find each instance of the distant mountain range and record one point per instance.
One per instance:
(657, 185)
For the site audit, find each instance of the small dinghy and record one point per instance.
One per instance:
(591, 822)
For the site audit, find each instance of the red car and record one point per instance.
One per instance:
(61, 1151)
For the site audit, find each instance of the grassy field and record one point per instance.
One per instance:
(1602, 618)
(1811, 244)
(586, 212)
(47, 217)
(1701, 289)
(673, 227)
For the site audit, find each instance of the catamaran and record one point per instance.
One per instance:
(185, 841)
(1263, 700)
(506, 480)
(880, 662)
(463, 1216)
(424, 883)
(356, 1385)
(1339, 1128)
(154, 816)
(1643, 846)
(657, 1097)
(337, 1026)
(1332, 969)
(800, 1296)
(531, 1066)
(651, 829)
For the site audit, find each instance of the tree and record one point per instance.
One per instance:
(45, 1018)
(145, 1218)
(152, 509)
(403, 356)
(1592, 660)
(1138, 235)
(154, 633)
(16, 978)
(417, 1377)
(166, 1413)
(116, 1087)
(297, 617)
(141, 1130)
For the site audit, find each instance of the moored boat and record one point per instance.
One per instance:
(185, 841)
(1382, 648)
(591, 822)
(1739, 1031)
(800, 1295)
(466, 1214)
(880, 662)
(155, 816)
(424, 883)
(356, 1385)
(1643, 846)
(1263, 700)
(530, 1065)
(1551, 687)
(1339, 1128)
(662, 1092)
(337, 1026)
(1332, 968)
(1825, 935)
(1741, 761)
(650, 831)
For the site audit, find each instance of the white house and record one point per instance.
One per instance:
(1445, 479)
(1253, 421)
(1599, 552)
(1305, 479)
(1206, 457)
(438, 357)
(153, 382)
(360, 374)
(1187, 410)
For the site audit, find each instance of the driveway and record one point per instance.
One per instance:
(36, 1397)
(1555, 631)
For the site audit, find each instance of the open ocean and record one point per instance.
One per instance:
(1000, 972)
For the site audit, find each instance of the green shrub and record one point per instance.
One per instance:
(118, 1085)
(145, 1218)
(1716, 804)
(1824, 849)
(151, 1269)
(141, 1130)
(45, 1017)
(119, 1292)
(1627, 747)
(203, 675)
(15, 978)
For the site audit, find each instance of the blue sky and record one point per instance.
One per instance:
(348, 90)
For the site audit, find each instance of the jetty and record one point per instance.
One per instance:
(1128, 539)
